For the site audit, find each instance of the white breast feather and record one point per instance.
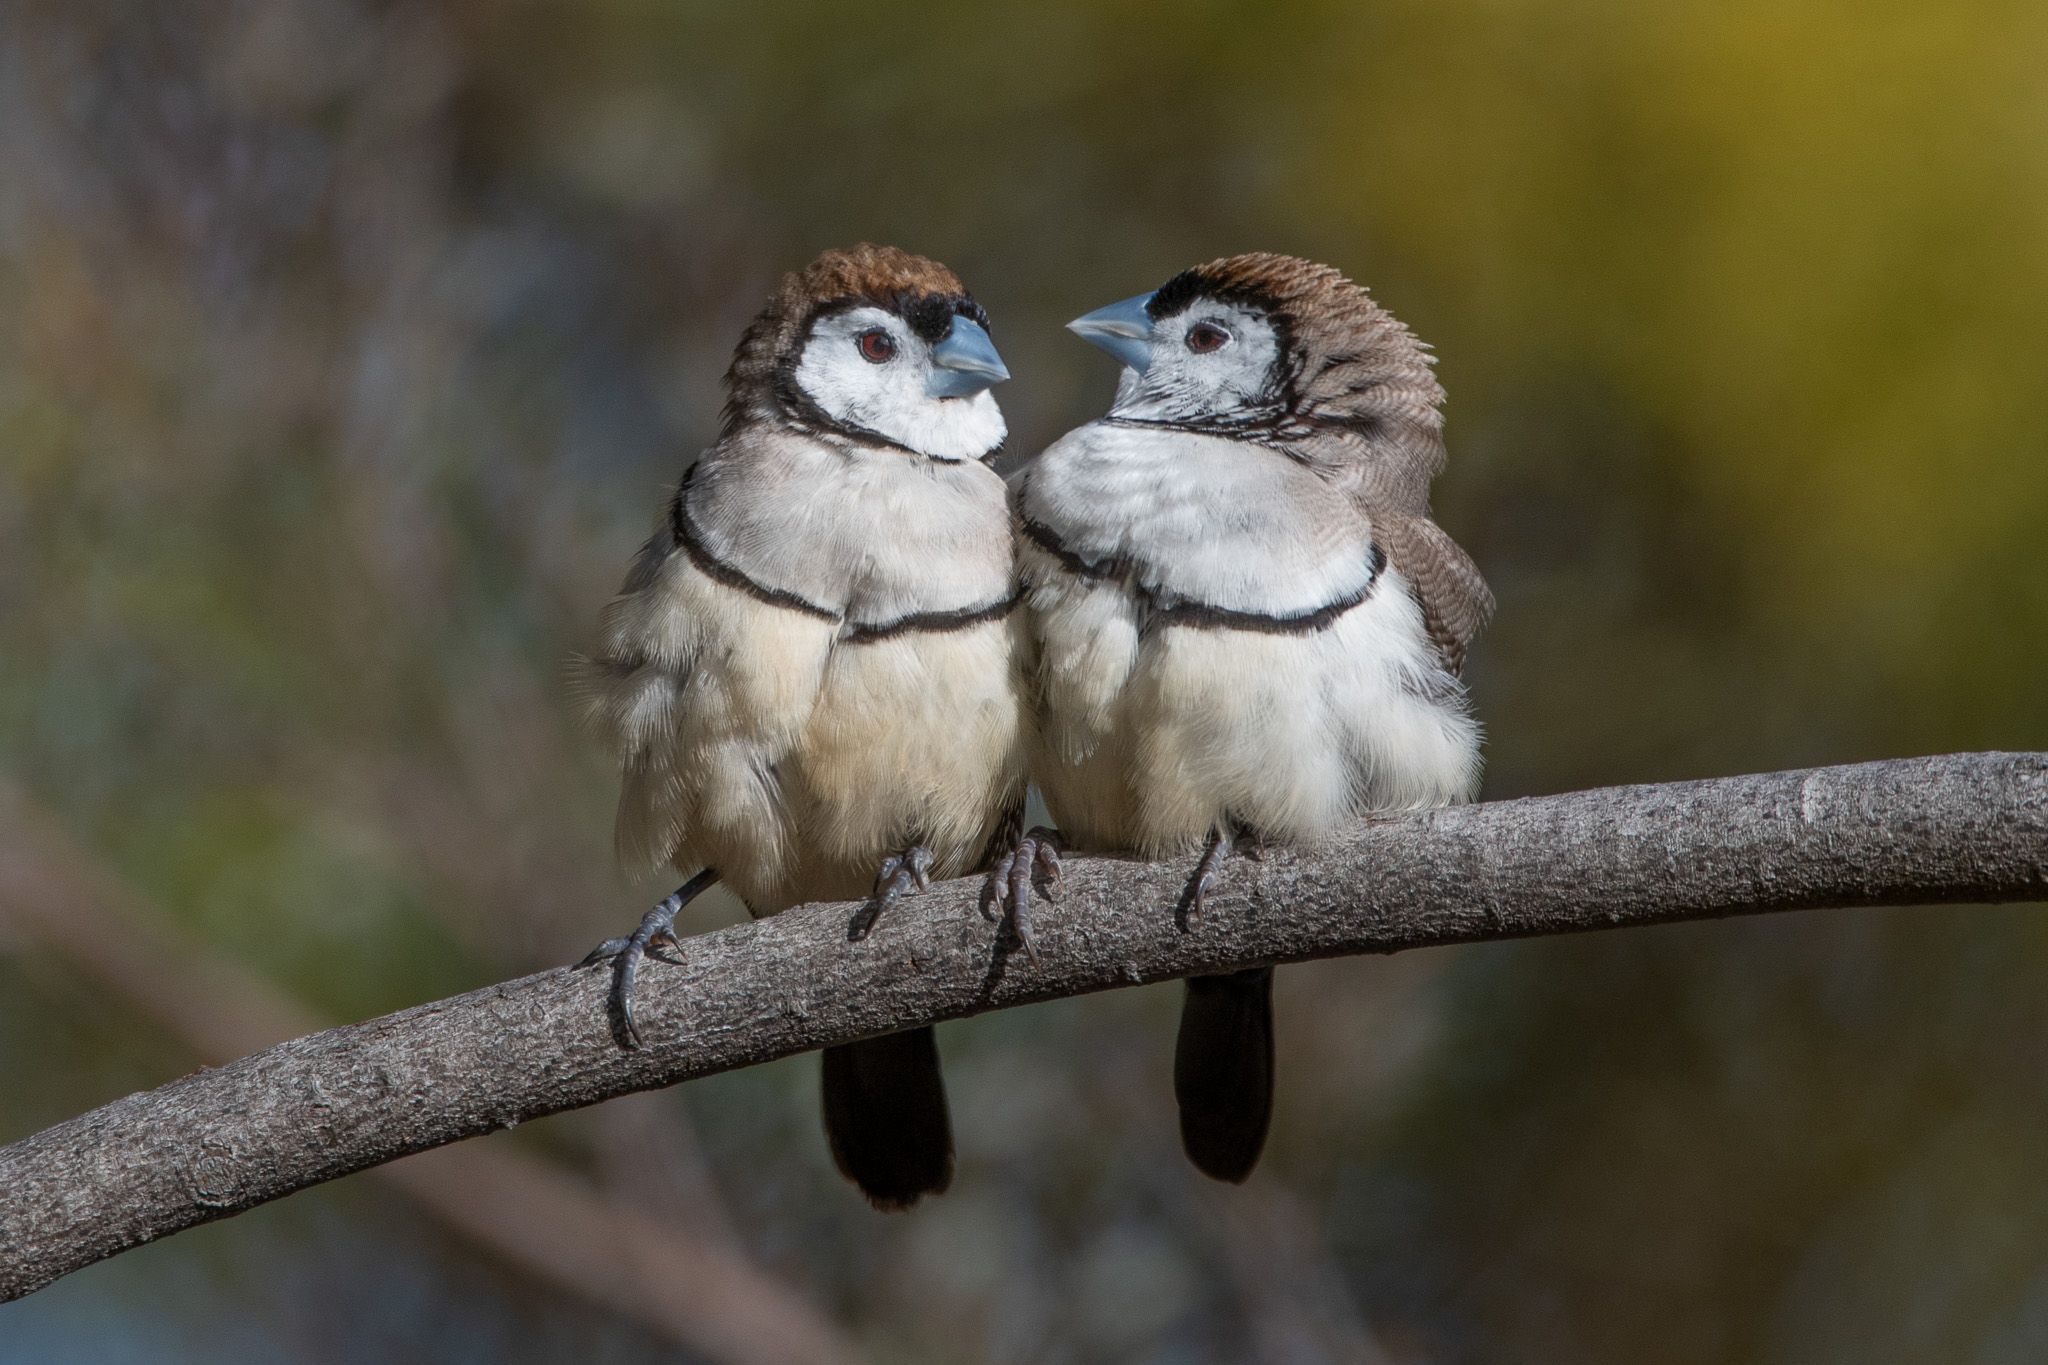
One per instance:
(1212, 520)
(1089, 636)
(1154, 739)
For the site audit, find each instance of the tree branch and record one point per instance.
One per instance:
(1958, 828)
(530, 1212)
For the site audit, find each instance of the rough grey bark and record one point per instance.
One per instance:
(1967, 827)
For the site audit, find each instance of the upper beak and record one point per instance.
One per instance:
(1123, 329)
(965, 362)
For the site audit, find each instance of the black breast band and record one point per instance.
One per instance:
(1166, 610)
(691, 542)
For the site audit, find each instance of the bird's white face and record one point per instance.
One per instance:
(867, 369)
(1211, 359)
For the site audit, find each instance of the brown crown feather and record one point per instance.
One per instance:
(881, 275)
(1360, 392)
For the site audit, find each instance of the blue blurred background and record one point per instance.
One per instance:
(347, 348)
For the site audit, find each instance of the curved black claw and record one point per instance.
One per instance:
(657, 932)
(1035, 861)
(1196, 893)
(901, 872)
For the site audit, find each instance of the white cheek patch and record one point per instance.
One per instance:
(889, 399)
(946, 428)
(1184, 385)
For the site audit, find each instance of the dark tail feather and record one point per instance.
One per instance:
(1223, 1071)
(885, 1115)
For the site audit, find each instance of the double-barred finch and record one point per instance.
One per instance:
(1248, 625)
(813, 675)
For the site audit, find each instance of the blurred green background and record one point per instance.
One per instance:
(346, 349)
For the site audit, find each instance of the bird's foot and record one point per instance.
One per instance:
(1035, 861)
(655, 938)
(1196, 893)
(910, 870)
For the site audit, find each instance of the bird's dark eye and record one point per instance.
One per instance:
(1204, 337)
(876, 345)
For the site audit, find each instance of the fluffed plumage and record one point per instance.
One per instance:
(814, 665)
(1248, 624)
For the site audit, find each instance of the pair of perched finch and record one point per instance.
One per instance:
(1219, 613)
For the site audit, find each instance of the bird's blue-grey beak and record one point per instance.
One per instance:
(965, 362)
(1123, 329)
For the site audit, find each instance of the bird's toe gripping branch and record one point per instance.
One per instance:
(1196, 894)
(901, 873)
(1034, 862)
(655, 938)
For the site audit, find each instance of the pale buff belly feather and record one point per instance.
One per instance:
(757, 741)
